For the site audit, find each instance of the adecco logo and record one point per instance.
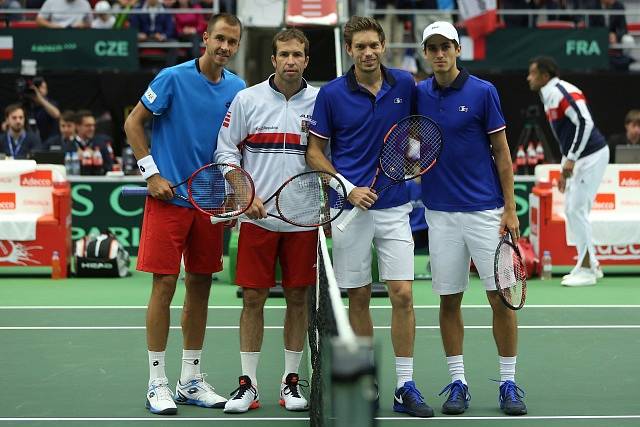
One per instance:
(629, 178)
(7, 201)
(605, 201)
(36, 179)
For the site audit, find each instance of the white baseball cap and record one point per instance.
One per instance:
(443, 28)
(102, 6)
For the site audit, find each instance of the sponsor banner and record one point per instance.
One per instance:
(605, 202)
(629, 178)
(55, 50)
(39, 178)
(7, 201)
(311, 12)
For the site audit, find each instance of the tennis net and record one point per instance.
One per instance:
(343, 371)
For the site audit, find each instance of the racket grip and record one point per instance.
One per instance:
(218, 219)
(134, 191)
(350, 216)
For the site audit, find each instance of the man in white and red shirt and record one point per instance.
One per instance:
(266, 131)
(585, 155)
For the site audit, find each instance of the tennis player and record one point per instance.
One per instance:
(266, 130)
(585, 155)
(352, 115)
(188, 103)
(469, 201)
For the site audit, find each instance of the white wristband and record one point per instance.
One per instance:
(147, 167)
(333, 183)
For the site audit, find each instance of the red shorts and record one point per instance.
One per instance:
(258, 250)
(169, 231)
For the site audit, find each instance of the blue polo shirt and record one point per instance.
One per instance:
(188, 110)
(465, 179)
(356, 122)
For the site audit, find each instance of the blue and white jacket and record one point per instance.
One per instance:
(566, 108)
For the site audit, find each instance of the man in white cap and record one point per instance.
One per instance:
(469, 202)
(103, 20)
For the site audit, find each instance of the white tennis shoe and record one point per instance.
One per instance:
(160, 398)
(598, 272)
(581, 277)
(290, 396)
(198, 392)
(245, 397)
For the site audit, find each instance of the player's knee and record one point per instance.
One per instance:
(296, 297)
(359, 298)
(401, 298)
(450, 303)
(254, 299)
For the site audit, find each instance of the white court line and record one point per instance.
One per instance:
(125, 328)
(229, 419)
(281, 307)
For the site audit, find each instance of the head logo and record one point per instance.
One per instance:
(605, 201)
(629, 178)
(36, 179)
(7, 201)
(463, 108)
(398, 101)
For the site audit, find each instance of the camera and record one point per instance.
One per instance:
(27, 86)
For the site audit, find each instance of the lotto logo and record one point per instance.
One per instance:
(605, 201)
(36, 179)
(629, 178)
(7, 201)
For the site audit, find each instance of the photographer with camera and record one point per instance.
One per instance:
(17, 141)
(34, 97)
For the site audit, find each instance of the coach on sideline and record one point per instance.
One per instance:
(188, 103)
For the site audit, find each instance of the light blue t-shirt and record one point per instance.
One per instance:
(188, 111)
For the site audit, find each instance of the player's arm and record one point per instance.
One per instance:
(361, 197)
(579, 114)
(502, 158)
(158, 187)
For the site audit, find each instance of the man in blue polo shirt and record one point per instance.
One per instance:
(352, 114)
(188, 104)
(469, 202)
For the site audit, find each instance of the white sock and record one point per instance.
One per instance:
(249, 361)
(291, 362)
(456, 368)
(507, 369)
(404, 370)
(156, 365)
(190, 365)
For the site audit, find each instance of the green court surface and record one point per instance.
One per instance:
(73, 353)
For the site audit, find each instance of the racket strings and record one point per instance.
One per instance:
(512, 275)
(410, 148)
(307, 199)
(218, 191)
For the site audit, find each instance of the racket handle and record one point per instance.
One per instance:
(350, 216)
(134, 191)
(218, 219)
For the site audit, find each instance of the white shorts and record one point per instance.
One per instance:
(454, 239)
(389, 230)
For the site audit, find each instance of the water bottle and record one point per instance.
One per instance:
(128, 161)
(546, 266)
(521, 160)
(67, 163)
(56, 268)
(75, 163)
(532, 158)
(97, 162)
(540, 153)
(86, 164)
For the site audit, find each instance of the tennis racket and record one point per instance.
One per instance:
(410, 148)
(309, 199)
(216, 189)
(510, 273)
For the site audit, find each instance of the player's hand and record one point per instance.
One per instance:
(256, 210)
(510, 221)
(562, 183)
(159, 188)
(362, 197)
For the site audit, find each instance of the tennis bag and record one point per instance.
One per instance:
(100, 255)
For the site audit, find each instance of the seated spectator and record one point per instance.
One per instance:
(153, 24)
(190, 26)
(88, 139)
(512, 21)
(17, 141)
(103, 19)
(617, 25)
(66, 140)
(42, 108)
(10, 4)
(65, 14)
(630, 137)
(121, 10)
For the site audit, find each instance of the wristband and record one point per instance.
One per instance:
(147, 167)
(333, 183)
